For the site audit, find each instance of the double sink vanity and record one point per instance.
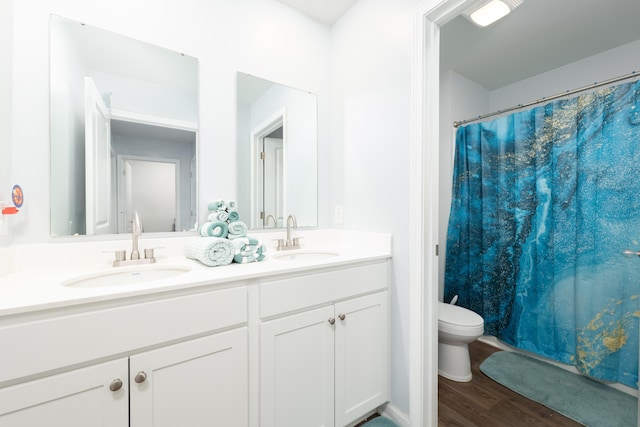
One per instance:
(300, 338)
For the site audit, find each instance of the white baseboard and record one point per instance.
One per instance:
(392, 411)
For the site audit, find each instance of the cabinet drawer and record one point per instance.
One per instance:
(295, 293)
(75, 339)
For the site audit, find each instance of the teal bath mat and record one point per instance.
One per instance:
(380, 422)
(574, 396)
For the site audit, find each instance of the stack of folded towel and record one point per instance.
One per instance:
(224, 230)
(248, 249)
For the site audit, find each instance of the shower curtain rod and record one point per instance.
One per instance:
(549, 98)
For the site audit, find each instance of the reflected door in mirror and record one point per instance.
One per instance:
(288, 182)
(151, 96)
(97, 162)
(149, 187)
(273, 181)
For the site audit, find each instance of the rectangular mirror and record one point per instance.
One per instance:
(277, 139)
(124, 118)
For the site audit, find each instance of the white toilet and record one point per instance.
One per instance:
(457, 327)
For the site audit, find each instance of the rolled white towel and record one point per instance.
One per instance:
(233, 216)
(214, 229)
(211, 251)
(216, 205)
(237, 229)
(218, 216)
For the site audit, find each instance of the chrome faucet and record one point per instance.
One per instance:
(289, 243)
(121, 256)
(136, 230)
(290, 220)
(266, 223)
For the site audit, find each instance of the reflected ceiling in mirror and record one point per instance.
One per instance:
(277, 144)
(121, 111)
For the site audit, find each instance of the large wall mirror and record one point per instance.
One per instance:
(277, 140)
(124, 130)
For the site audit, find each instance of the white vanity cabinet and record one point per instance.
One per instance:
(324, 347)
(78, 398)
(361, 361)
(297, 370)
(175, 361)
(196, 383)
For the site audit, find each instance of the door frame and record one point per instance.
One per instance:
(273, 122)
(97, 146)
(427, 17)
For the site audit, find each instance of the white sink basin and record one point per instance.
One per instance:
(303, 255)
(120, 276)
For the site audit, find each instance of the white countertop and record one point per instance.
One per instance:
(34, 280)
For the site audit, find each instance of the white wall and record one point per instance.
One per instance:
(612, 63)
(6, 74)
(243, 151)
(67, 124)
(226, 37)
(370, 128)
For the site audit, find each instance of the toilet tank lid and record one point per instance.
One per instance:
(457, 315)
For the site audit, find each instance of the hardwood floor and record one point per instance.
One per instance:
(483, 402)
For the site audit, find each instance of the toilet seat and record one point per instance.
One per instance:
(455, 319)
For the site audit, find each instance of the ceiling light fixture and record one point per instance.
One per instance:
(486, 12)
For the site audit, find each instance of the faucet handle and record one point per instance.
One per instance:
(149, 254)
(296, 241)
(121, 255)
(280, 243)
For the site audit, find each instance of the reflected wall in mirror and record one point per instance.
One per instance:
(277, 138)
(124, 130)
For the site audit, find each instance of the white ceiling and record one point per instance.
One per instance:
(539, 36)
(324, 11)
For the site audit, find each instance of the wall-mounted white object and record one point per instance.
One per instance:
(5, 211)
(486, 12)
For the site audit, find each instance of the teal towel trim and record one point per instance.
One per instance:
(216, 205)
(214, 229)
(248, 249)
(237, 229)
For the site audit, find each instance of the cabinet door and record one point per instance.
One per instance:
(362, 372)
(202, 382)
(79, 398)
(296, 370)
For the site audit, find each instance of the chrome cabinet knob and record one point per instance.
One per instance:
(332, 320)
(140, 377)
(115, 384)
(342, 316)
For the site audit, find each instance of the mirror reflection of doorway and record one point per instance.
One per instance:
(273, 178)
(148, 187)
(162, 145)
(268, 197)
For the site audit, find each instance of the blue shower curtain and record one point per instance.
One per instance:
(545, 201)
